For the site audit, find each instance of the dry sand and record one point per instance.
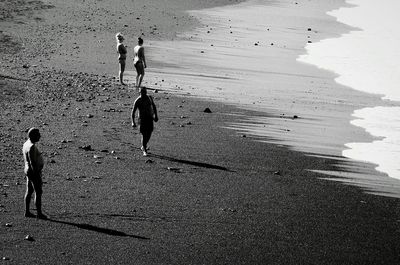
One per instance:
(225, 199)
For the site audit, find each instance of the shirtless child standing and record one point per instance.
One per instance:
(33, 171)
(147, 113)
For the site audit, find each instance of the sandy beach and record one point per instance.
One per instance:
(206, 194)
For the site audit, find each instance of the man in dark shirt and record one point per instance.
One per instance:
(147, 113)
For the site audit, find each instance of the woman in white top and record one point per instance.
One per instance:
(139, 62)
(121, 49)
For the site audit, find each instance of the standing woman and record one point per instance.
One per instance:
(139, 62)
(122, 56)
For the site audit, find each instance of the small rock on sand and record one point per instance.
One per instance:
(86, 147)
(175, 169)
(207, 110)
(29, 238)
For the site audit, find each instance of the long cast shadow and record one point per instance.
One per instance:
(98, 229)
(193, 163)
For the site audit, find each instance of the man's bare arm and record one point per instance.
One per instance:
(141, 55)
(133, 114)
(32, 160)
(154, 109)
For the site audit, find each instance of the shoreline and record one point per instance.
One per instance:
(363, 66)
(231, 199)
(202, 62)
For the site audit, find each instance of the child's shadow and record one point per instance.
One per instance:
(97, 229)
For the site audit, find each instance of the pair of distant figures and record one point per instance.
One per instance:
(34, 162)
(139, 60)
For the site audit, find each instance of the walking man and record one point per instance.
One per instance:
(147, 114)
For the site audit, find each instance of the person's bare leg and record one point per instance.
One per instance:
(38, 203)
(121, 72)
(37, 185)
(145, 140)
(28, 195)
(137, 81)
(140, 80)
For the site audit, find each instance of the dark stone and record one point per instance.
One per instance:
(86, 148)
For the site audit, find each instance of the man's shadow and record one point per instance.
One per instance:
(102, 230)
(188, 162)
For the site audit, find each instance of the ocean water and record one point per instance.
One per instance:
(248, 55)
(368, 59)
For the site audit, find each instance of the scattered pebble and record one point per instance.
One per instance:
(175, 169)
(229, 209)
(29, 238)
(86, 148)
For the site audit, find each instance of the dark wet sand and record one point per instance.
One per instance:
(205, 195)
